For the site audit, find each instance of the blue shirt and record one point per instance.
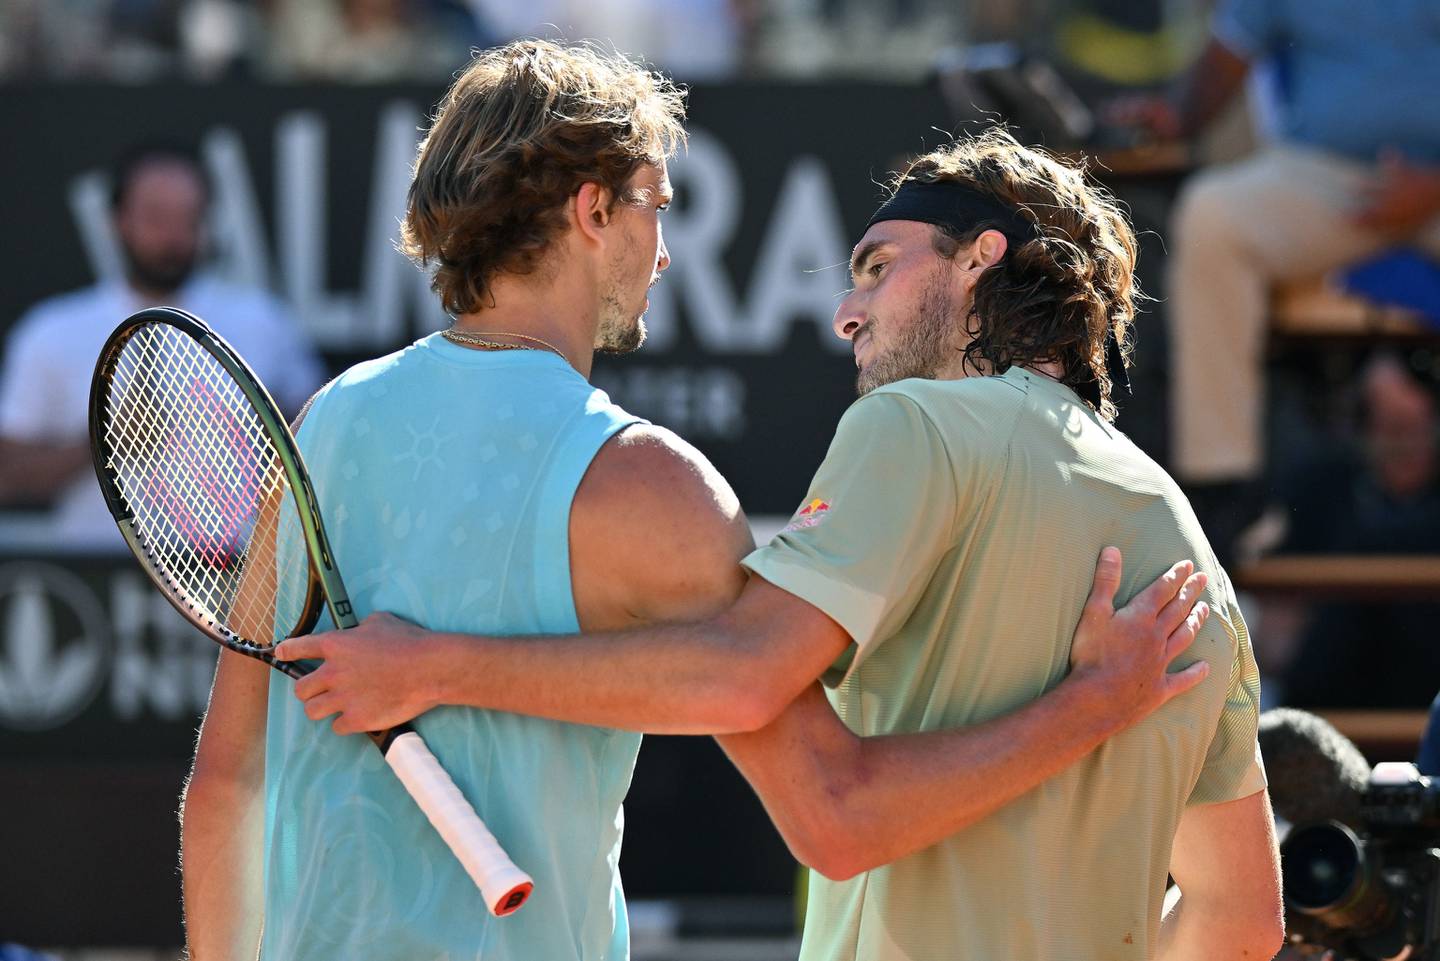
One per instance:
(445, 476)
(1353, 76)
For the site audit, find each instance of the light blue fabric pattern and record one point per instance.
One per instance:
(445, 476)
(1355, 77)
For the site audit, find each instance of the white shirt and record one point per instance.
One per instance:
(50, 358)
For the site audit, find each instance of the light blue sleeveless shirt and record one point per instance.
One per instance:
(445, 476)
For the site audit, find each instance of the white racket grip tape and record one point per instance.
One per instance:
(504, 886)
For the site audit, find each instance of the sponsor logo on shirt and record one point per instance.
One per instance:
(808, 515)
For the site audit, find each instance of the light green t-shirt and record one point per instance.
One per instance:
(953, 531)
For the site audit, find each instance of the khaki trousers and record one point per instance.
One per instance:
(1280, 215)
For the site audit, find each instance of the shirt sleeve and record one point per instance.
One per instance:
(1249, 28)
(879, 515)
(1233, 767)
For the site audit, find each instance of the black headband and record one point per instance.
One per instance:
(949, 203)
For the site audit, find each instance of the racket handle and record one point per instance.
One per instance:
(504, 886)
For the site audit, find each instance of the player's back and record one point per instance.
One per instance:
(445, 476)
(1075, 868)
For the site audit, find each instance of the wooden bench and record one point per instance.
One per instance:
(1381, 735)
(1411, 577)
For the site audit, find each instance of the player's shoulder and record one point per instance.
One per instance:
(363, 381)
(656, 455)
(647, 471)
(971, 416)
(655, 515)
(973, 396)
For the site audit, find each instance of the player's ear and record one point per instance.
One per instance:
(990, 247)
(593, 209)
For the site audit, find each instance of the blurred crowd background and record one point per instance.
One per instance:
(1282, 166)
(369, 41)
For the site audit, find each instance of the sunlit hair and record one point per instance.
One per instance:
(1055, 298)
(516, 135)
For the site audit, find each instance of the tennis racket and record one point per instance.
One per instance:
(207, 486)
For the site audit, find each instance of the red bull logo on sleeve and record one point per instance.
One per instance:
(809, 514)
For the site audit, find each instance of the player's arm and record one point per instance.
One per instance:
(222, 816)
(845, 804)
(663, 533)
(663, 543)
(1227, 868)
(733, 671)
(222, 809)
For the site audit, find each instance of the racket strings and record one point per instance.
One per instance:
(212, 507)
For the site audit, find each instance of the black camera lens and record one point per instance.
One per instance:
(1320, 863)
(1328, 877)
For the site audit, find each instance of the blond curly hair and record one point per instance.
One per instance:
(516, 135)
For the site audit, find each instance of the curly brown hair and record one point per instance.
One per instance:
(1055, 298)
(517, 134)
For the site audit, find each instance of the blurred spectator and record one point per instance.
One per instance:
(691, 39)
(367, 41)
(1354, 169)
(1127, 43)
(219, 37)
(898, 39)
(129, 40)
(1380, 495)
(159, 198)
(143, 37)
(53, 37)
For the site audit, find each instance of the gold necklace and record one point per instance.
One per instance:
(460, 337)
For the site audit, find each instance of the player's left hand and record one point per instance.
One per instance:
(1125, 654)
(372, 677)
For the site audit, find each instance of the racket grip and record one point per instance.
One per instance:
(504, 886)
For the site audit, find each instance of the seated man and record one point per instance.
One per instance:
(1354, 169)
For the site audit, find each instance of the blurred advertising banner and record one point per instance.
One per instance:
(95, 664)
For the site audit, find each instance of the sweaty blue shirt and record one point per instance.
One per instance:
(1353, 77)
(445, 476)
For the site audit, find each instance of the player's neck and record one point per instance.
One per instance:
(548, 312)
(1052, 369)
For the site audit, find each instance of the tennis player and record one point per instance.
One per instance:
(476, 482)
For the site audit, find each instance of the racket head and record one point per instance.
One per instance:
(204, 480)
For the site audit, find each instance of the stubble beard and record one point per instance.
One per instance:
(622, 330)
(922, 348)
(617, 334)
